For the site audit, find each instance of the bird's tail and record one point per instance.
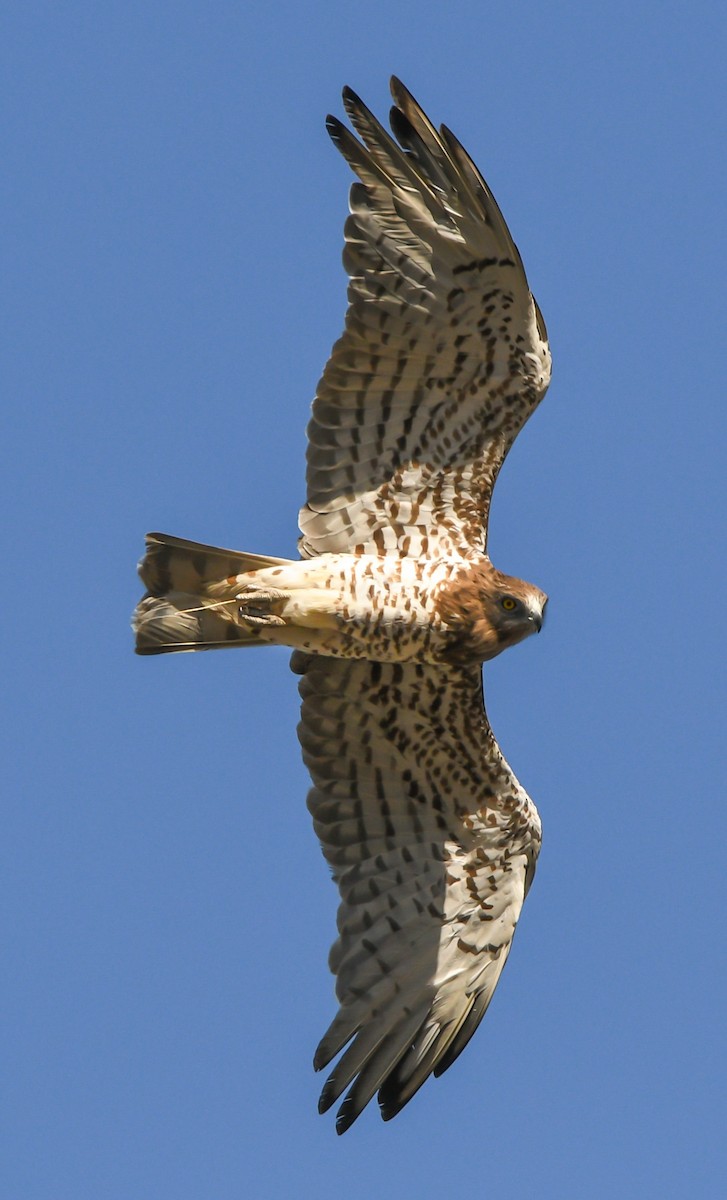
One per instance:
(190, 602)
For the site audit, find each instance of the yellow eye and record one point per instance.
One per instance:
(508, 603)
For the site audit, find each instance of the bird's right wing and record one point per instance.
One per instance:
(432, 842)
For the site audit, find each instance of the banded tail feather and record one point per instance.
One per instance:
(190, 600)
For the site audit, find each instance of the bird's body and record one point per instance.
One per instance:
(344, 605)
(395, 604)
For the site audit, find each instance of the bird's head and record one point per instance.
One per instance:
(486, 611)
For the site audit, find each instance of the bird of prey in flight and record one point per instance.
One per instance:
(394, 605)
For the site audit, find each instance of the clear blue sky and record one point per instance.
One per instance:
(172, 286)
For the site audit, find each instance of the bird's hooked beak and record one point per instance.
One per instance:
(537, 616)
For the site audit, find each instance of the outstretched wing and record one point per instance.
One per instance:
(433, 843)
(443, 358)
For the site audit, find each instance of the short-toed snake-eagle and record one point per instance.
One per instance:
(394, 606)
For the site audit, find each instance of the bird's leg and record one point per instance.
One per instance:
(257, 605)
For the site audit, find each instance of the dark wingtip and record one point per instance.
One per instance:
(325, 1100)
(346, 1116)
(389, 1103)
(401, 93)
(401, 126)
(337, 131)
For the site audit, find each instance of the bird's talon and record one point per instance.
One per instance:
(255, 606)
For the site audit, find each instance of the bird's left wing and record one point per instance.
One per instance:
(432, 842)
(443, 359)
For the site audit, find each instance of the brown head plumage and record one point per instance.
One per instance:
(486, 612)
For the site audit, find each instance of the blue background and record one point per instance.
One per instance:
(172, 289)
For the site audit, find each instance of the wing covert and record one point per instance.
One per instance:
(443, 358)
